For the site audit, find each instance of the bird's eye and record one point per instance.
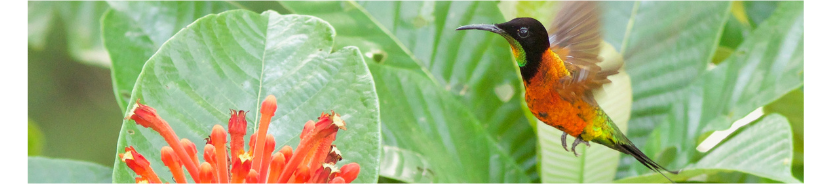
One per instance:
(523, 32)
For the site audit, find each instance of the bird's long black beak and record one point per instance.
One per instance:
(485, 27)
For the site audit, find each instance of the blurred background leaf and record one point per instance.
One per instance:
(72, 103)
(544, 11)
(82, 28)
(758, 11)
(134, 30)
(196, 76)
(51, 170)
(35, 139)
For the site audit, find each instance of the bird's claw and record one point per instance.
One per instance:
(576, 142)
(565, 141)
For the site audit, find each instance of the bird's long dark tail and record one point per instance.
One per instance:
(632, 150)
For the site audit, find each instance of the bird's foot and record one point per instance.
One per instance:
(576, 142)
(565, 141)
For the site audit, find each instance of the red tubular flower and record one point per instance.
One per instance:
(172, 162)
(269, 106)
(322, 174)
(308, 127)
(302, 175)
(252, 143)
(325, 126)
(316, 157)
(237, 128)
(206, 173)
(146, 116)
(139, 165)
(210, 155)
(338, 180)
(287, 152)
(240, 168)
(277, 164)
(322, 148)
(210, 158)
(270, 145)
(191, 149)
(349, 172)
(252, 177)
(217, 137)
(313, 161)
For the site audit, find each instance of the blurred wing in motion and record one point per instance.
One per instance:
(575, 36)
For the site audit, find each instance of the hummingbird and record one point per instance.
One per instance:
(560, 70)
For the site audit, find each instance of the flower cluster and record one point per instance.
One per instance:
(313, 161)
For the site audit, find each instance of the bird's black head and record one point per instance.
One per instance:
(527, 37)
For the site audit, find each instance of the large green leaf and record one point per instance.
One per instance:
(51, 170)
(80, 21)
(232, 61)
(420, 114)
(134, 30)
(769, 64)
(764, 149)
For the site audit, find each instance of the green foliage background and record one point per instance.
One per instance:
(444, 118)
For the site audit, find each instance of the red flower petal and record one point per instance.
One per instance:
(349, 171)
